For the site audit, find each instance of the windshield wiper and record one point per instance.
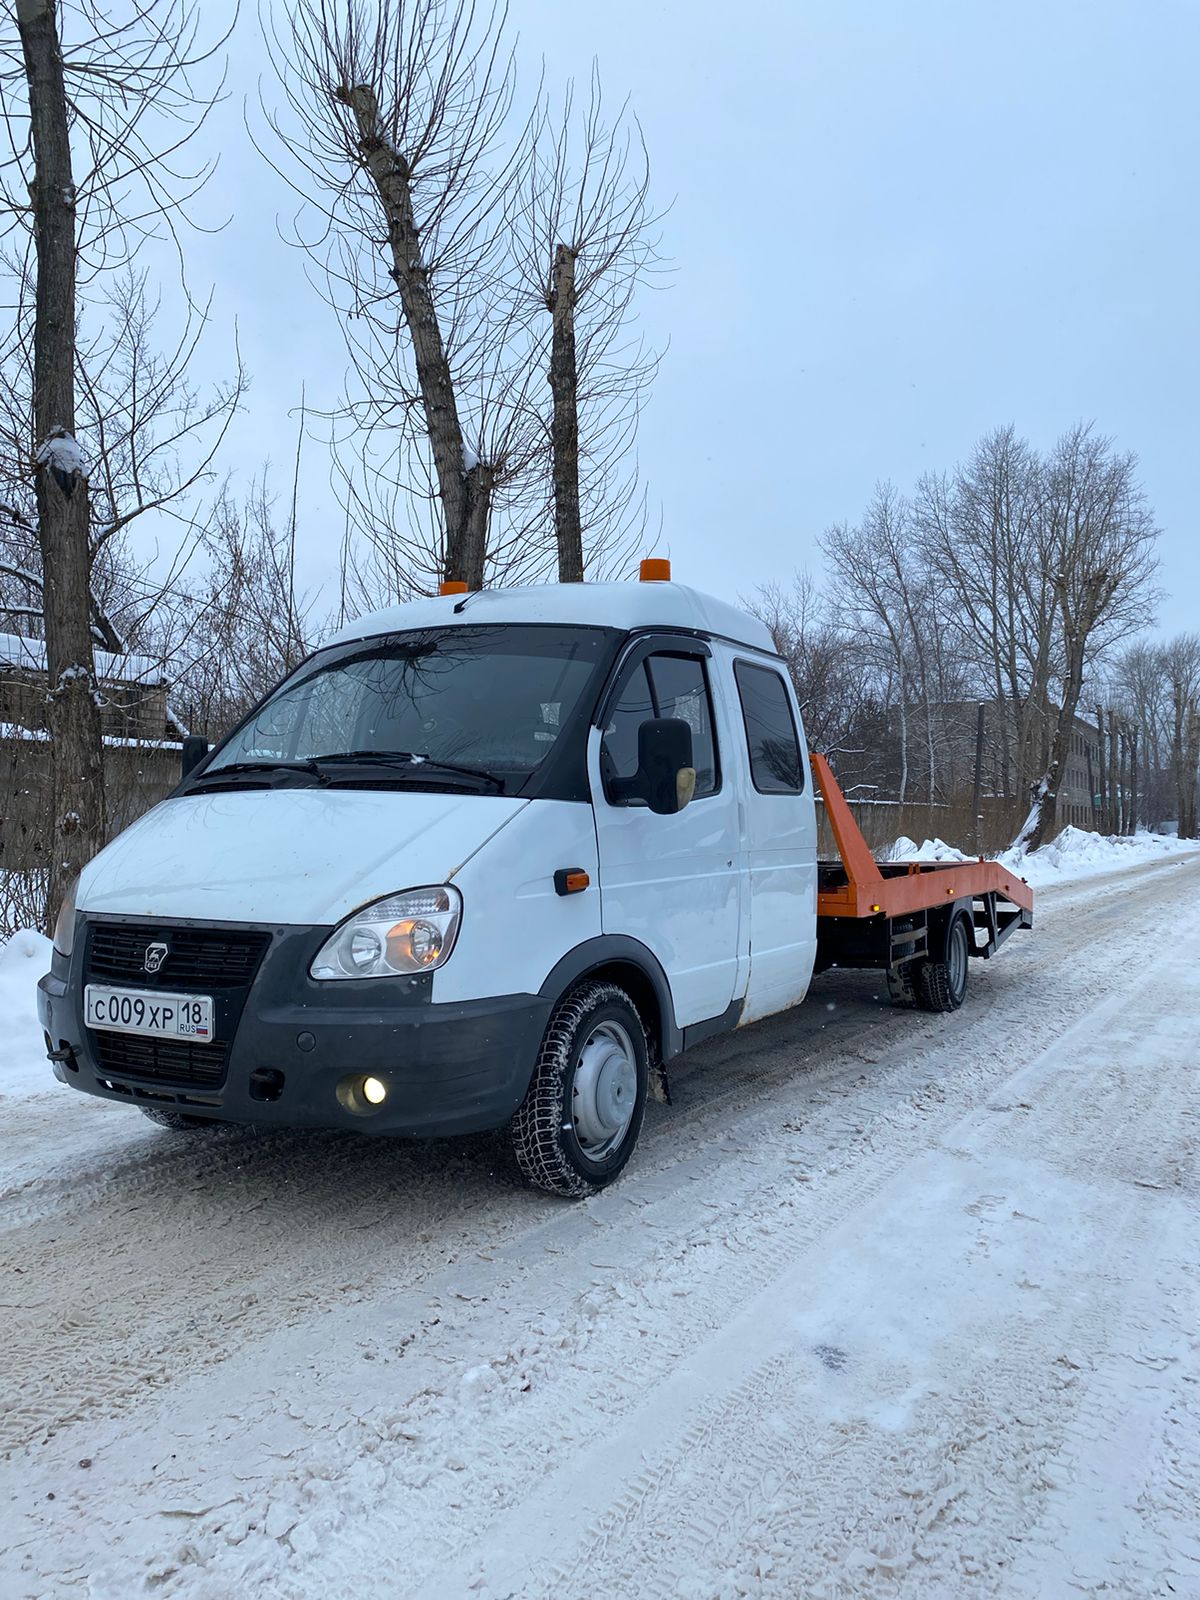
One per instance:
(413, 761)
(241, 768)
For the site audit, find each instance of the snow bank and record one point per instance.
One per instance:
(906, 849)
(23, 1065)
(1075, 853)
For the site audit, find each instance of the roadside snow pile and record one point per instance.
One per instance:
(906, 849)
(23, 1065)
(1076, 853)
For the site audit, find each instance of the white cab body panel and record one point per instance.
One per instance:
(603, 605)
(673, 883)
(287, 855)
(779, 858)
(516, 927)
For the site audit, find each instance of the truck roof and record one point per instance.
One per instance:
(608, 605)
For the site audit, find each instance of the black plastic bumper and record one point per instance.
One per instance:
(299, 1047)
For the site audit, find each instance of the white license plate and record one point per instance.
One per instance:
(163, 1016)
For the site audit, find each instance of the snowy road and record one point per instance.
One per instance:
(888, 1305)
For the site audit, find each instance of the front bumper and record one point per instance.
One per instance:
(449, 1069)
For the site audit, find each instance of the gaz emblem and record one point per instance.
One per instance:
(155, 955)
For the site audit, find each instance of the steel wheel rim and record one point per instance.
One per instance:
(604, 1092)
(958, 957)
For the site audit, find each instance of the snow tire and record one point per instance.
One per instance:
(178, 1121)
(546, 1130)
(942, 985)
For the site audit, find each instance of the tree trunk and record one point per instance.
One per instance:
(1102, 775)
(564, 429)
(1044, 801)
(1133, 778)
(479, 506)
(930, 748)
(1114, 775)
(1188, 776)
(76, 750)
(465, 524)
(1091, 781)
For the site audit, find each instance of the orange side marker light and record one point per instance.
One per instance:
(570, 880)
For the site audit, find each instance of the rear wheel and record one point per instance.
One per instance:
(942, 985)
(178, 1120)
(580, 1119)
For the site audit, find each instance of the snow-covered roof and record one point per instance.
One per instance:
(14, 730)
(610, 605)
(16, 651)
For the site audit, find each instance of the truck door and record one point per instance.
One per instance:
(671, 882)
(780, 841)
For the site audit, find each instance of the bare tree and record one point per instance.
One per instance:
(1139, 687)
(428, 205)
(395, 112)
(90, 177)
(886, 594)
(1096, 542)
(583, 236)
(1181, 672)
(231, 640)
(978, 532)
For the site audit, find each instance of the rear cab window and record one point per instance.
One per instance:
(773, 745)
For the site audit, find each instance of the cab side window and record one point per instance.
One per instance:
(776, 765)
(661, 686)
(681, 690)
(619, 749)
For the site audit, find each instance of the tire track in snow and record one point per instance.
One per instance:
(696, 1505)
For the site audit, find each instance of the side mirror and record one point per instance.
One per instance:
(194, 750)
(665, 777)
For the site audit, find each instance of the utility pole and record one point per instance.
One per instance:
(977, 802)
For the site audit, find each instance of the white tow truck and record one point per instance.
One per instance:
(488, 860)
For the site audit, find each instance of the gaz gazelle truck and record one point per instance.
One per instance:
(487, 860)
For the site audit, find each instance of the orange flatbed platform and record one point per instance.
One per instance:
(898, 889)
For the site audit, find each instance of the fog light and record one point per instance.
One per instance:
(373, 1091)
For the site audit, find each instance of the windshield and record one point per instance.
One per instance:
(485, 701)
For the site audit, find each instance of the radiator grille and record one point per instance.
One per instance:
(203, 958)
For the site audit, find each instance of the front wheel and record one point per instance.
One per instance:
(580, 1119)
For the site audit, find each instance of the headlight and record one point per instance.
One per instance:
(406, 933)
(64, 928)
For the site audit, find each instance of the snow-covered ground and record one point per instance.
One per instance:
(23, 1065)
(887, 1305)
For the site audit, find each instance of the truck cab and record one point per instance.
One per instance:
(482, 860)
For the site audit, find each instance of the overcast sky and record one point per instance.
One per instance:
(894, 226)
